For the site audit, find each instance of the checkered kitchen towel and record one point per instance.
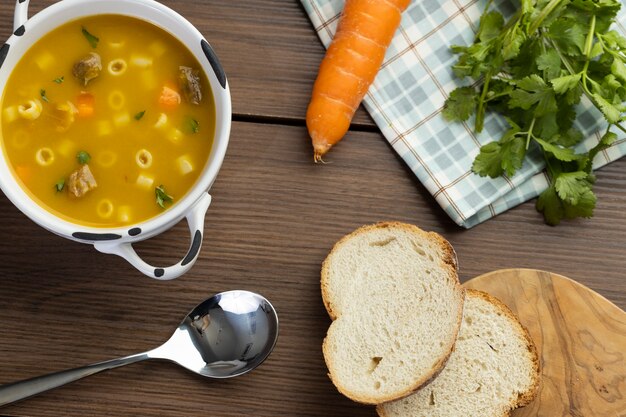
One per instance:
(408, 94)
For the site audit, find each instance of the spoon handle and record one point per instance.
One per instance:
(20, 390)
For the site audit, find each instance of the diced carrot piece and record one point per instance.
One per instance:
(85, 104)
(169, 98)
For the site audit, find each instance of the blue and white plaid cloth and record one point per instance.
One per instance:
(407, 98)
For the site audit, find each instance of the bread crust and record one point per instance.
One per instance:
(449, 262)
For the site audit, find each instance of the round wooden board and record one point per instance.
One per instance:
(580, 337)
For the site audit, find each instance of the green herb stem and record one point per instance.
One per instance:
(529, 134)
(534, 25)
(480, 111)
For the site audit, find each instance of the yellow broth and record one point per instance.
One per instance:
(42, 155)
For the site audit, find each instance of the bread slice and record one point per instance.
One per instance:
(493, 370)
(394, 295)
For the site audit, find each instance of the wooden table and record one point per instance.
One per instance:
(275, 216)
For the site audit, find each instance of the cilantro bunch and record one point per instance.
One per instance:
(534, 69)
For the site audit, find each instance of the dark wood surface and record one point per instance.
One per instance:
(274, 217)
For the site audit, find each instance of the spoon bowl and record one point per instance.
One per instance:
(226, 335)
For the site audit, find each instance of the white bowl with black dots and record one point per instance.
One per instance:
(194, 205)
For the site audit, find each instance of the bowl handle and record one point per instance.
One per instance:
(195, 220)
(21, 13)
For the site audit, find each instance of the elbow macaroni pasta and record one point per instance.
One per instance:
(143, 158)
(30, 110)
(44, 156)
(105, 208)
(116, 100)
(117, 67)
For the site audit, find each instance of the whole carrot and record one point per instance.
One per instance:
(352, 61)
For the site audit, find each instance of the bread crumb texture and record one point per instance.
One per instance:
(494, 368)
(394, 294)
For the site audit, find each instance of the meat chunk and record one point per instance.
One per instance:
(189, 84)
(87, 68)
(81, 181)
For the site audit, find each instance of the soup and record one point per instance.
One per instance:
(107, 121)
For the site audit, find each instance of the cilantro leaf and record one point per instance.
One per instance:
(92, 39)
(550, 63)
(488, 163)
(513, 41)
(562, 154)
(42, 93)
(461, 104)
(59, 80)
(570, 186)
(139, 115)
(490, 26)
(533, 90)
(618, 69)
(162, 197)
(611, 112)
(498, 158)
(550, 206)
(569, 35)
(59, 185)
(565, 83)
(513, 153)
(194, 125)
(83, 157)
(584, 207)
(569, 138)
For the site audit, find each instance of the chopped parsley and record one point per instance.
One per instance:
(139, 115)
(92, 39)
(83, 157)
(162, 197)
(42, 93)
(194, 125)
(60, 184)
(59, 80)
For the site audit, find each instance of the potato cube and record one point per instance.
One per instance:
(161, 121)
(141, 61)
(145, 181)
(184, 164)
(9, 114)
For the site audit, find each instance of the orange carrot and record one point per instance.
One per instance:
(169, 98)
(85, 104)
(352, 61)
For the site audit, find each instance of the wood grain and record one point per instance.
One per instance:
(274, 218)
(580, 337)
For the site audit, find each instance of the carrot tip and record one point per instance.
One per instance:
(320, 150)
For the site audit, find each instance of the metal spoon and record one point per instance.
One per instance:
(226, 335)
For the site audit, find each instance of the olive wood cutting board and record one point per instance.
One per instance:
(580, 337)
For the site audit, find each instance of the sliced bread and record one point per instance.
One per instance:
(494, 368)
(393, 292)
